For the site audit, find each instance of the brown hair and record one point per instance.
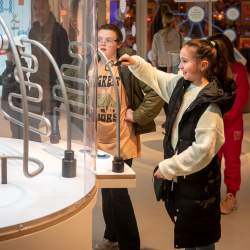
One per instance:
(113, 27)
(217, 63)
(226, 45)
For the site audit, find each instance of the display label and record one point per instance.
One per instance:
(196, 14)
(232, 14)
(230, 33)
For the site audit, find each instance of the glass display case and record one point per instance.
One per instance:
(48, 123)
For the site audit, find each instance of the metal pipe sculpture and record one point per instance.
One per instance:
(38, 99)
(9, 42)
(69, 163)
(118, 163)
(60, 80)
(78, 77)
(77, 69)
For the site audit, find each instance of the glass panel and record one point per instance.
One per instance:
(48, 106)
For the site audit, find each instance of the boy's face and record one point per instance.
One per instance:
(108, 44)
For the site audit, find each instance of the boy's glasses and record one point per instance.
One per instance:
(108, 41)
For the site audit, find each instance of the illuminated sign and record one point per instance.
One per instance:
(196, 14)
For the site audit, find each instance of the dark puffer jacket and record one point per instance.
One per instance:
(193, 202)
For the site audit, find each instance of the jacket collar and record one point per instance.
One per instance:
(214, 93)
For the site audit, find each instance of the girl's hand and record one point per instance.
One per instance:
(158, 174)
(127, 60)
(129, 115)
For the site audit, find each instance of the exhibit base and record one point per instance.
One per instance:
(49, 212)
(68, 229)
(46, 211)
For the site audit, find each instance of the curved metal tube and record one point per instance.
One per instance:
(108, 64)
(30, 114)
(71, 102)
(34, 160)
(24, 104)
(61, 82)
(29, 98)
(77, 68)
(71, 78)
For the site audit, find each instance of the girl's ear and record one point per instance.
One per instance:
(204, 65)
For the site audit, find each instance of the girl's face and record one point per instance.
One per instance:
(190, 65)
(108, 44)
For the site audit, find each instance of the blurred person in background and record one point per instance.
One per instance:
(246, 53)
(233, 125)
(10, 85)
(165, 41)
(166, 46)
(46, 30)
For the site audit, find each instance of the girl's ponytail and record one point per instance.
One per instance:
(225, 56)
(218, 64)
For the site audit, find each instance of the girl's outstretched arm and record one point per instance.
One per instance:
(163, 83)
(127, 60)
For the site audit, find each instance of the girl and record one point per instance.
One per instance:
(233, 126)
(194, 134)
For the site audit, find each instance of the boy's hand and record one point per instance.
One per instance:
(127, 60)
(129, 115)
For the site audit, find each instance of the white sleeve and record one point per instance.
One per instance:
(163, 83)
(209, 137)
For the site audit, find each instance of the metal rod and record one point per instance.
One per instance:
(117, 106)
(210, 17)
(4, 170)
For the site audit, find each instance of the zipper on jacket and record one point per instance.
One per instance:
(172, 186)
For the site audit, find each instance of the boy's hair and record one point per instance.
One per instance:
(113, 27)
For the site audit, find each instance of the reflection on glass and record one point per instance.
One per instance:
(58, 55)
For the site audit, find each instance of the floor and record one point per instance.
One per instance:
(156, 229)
